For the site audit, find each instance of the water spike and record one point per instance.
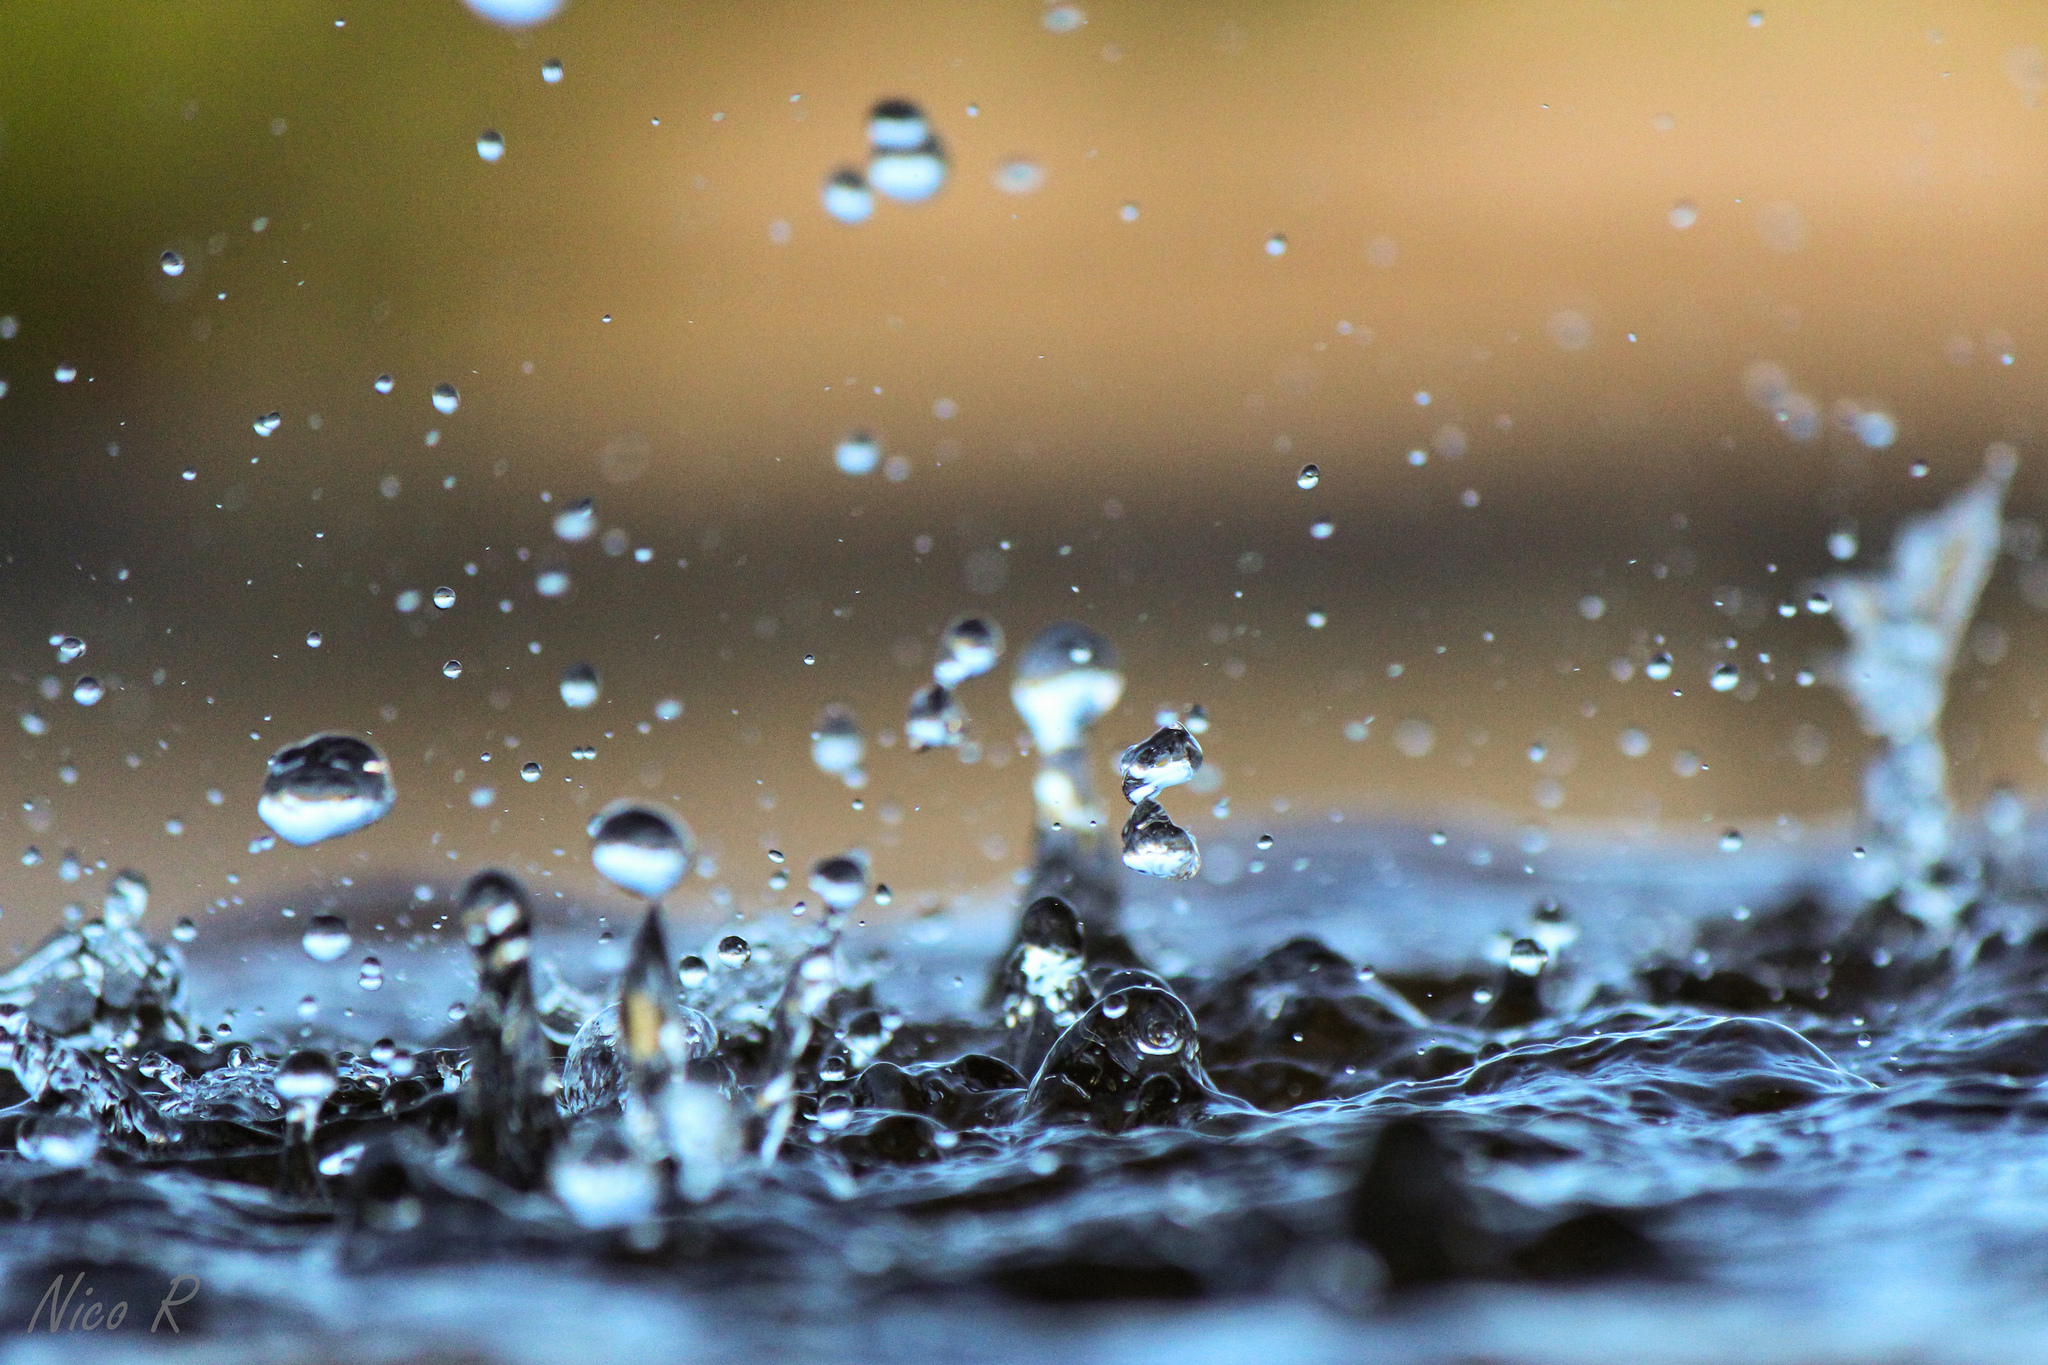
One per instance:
(1067, 679)
(1042, 987)
(509, 1117)
(1905, 627)
(813, 978)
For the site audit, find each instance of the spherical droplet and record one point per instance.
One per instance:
(1276, 245)
(1731, 841)
(551, 71)
(1309, 477)
(490, 145)
(857, 454)
(88, 692)
(384, 383)
(173, 264)
(452, 669)
(184, 931)
(1725, 677)
(324, 786)
(69, 648)
(580, 687)
(313, 639)
(847, 197)
(734, 951)
(692, 972)
(446, 399)
(444, 598)
(530, 772)
(326, 938)
(639, 849)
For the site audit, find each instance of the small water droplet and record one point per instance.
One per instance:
(184, 931)
(383, 383)
(452, 669)
(577, 522)
(69, 648)
(847, 197)
(1819, 604)
(530, 772)
(1725, 677)
(1527, 957)
(268, 423)
(692, 972)
(446, 399)
(313, 639)
(857, 454)
(968, 648)
(88, 691)
(1309, 477)
(1276, 245)
(371, 977)
(1157, 847)
(1731, 841)
(1264, 842)
(734, 951)
(173, 264)
(551, 71)
(444, 598)
(1167, 759)
(490, 145)
(1658, 669)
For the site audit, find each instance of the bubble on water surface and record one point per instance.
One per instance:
(639, 848)
(324, 786)
(580, 687)
(846, 196)
(326, 938)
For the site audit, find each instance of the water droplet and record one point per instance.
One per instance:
(734, 951)
(1731, 841)
(1309, 477)
(1725, 677)
(836, 744)
(692, 972)
(857, 454)
(1063, 18)
(88, 691)
(173, 264)
(897, 125)
(1067, 679)
(184, 931)
(444, 598)
(530, 772)
(1683, 214)
(1170, 757)
(1276, 245)
(452, 669)
(371, 977)
(66, 373)
(1129, 213)
(968, 648)
(1019, 175)
(383, 383)
(313, 639)
(188, 475)
(551, 582)
(326, 938)
(580, 687)
(490, 146)
(268, 423)
(304, 1078)
(847, 197)
(1264, 842)
(1527, 957)
(639, 849)
(1842, 545)
(883, 895)
(1157, 847)
(446, 399)
(840, 882)
(69, 648)
(551, 71)
(1756, 18)
(577, 522)
(324, 786)
(935, 720)
(1819, 604)
(1658, 669)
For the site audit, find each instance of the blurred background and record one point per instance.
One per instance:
(1599, 321)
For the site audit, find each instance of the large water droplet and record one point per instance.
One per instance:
(1157, 847)
(969, 648)
(639, 849)
(304, 1078)
(1658, 669)
(1169, 758)
(580, 687)
(840, 882)
(173, 264)
(1067, 679)
(577, 522)
(324, 786)
(446, 399)
(326, 938)
(911, 176)
(847, 196)
(857, 454)
(898, 126)
(530, 772)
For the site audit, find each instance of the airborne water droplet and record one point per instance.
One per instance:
(69, 648)
(840, 882)
(452, 669)
(371, 977)
(639, 849)
(88, 691)
(268, 423)
(847, 197)
(969, 648)
(692, 972)
(580, 687)
(324, 786)
(1725, 677)
(1067, 679)
(857, 454)
(446, 399)
(383, 383)
(1309, 477)
(1658, 669)
(1170, 757)
(490, 145)
(326, 938)
(577, 522)
(1731, 842)
(444, 598)
(734, 951)
(313, 639)
(551, 71)
(184, 931)
(173, 264)
(531, 772)
(1157, 847)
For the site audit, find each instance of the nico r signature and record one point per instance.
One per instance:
(67, 1310)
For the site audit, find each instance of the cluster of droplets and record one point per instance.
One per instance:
(968, 648)
(1153, 843)
(905, 163)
